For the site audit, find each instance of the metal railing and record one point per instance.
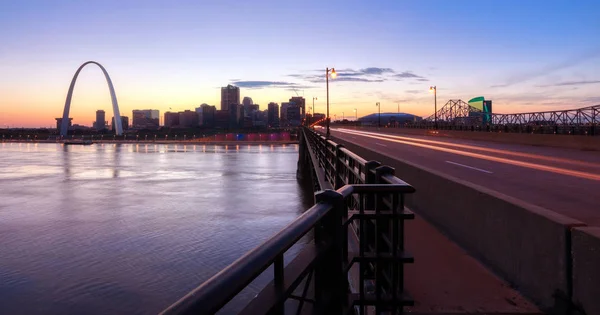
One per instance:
(316, 281)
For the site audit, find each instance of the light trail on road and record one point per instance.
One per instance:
(465, 146)
(412, 142)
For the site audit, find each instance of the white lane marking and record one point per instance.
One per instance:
(381, 144)
(471, 167)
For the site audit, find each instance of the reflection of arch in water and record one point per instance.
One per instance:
(117, 116)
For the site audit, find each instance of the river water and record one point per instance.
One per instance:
(129, 229)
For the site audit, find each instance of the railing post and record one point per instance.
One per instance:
(370, 178)
(331, 284)
(338, 167)
(302, 156)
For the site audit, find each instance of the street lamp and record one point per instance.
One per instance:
(333, 75)
(434, 89)
(356, 114)
(312, 109)
(379, 117)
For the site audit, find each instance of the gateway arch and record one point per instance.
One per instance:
(117, 116)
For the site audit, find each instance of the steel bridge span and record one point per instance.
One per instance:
(457, 114)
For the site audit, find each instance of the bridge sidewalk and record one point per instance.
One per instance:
(445, 279)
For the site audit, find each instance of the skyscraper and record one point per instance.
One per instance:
(283, 121)
(301, 103)
(247, 102)
(293, 116)
(229, 95)
(273, 115)
(100, 122)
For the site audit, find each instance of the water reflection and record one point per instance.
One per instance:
(108, 229)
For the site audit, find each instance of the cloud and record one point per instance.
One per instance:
(413, 91)
(368, 74)
(268, 84)
(407, 75)
(375, 70)
(352, 79)
(423, 80)
(569, 83)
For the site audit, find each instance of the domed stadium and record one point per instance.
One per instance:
(389, 118)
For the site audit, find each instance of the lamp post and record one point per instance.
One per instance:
(313, 108)
(434, 89)
(333, 75)
(356, 114)
(379, 116)
(343, 117)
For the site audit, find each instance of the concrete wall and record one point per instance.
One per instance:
(561, 141)
(525, 244)
(586, 268)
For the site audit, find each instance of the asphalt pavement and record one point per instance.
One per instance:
(562, 180)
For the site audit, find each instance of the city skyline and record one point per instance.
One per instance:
(519, 57)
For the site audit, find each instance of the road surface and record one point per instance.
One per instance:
(561, 180)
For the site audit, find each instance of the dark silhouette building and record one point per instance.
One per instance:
(301, 103)
(171, 119)
(188, 119)
(273, 115)
(293, 116)
(206, 115)
(100, 122)
(229, 95)
(124, 122)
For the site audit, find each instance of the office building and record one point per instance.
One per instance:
(273, 115)
(294, 119)
(188, 119)
(206, 115)
(221, 119)
(301, 103)
(124, 122)
(171, 119)
(100, 122)
(247, 102)
(229, 95)
(283, 114)
(145, 118)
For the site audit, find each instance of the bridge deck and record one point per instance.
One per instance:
(561, 180)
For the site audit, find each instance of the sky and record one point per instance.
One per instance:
(525, 56)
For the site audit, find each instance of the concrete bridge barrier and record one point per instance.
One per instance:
(527, 245)
(586, 268)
